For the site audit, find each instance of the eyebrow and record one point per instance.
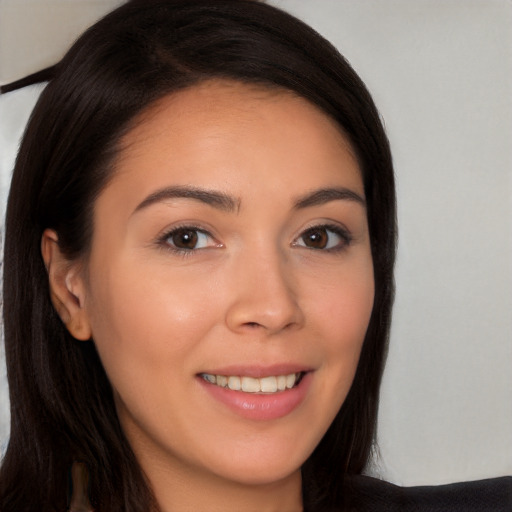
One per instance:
(216, 199)
(228, 203)
(326, 195)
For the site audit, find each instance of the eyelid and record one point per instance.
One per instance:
(338, 229)
(161, 239)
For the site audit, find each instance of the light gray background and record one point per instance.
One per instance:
(441, 74)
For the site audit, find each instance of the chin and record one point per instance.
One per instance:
(256, 475)
(263, 465)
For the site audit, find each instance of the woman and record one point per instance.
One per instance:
(200, 240)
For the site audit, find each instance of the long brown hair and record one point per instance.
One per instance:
(62, 407)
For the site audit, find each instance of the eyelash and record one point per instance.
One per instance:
(163, 241)
(343, 234)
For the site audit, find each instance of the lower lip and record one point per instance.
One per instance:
(260, 406)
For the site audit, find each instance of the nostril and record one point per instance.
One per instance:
(257, 325)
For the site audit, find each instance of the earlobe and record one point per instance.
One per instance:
(67, 288)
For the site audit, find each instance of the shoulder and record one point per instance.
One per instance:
(372, 495)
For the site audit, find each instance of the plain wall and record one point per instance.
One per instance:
(441, 73)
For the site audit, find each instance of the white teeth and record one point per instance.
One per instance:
(222, 381)
(234, 383)
(270, 384)
(251, 385)
(290, 380)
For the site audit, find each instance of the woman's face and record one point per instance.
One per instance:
(230, 249)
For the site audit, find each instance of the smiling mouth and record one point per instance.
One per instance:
(271, 384)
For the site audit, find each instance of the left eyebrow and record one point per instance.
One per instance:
(326, 195)
(217, 200)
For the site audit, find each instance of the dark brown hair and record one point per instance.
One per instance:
(62, 407)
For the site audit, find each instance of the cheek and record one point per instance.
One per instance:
(342, 310)
(343, 303)
(143, 323)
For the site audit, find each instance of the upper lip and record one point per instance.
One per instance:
(259, 371)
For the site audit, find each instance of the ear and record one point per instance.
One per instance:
(67, 287)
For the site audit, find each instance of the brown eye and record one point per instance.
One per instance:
(184, 238)
(324, 238)
(188, 239)
(316, 238)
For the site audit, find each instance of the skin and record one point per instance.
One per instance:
(259, 289)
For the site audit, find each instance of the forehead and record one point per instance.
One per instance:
(215, 108)
(235, 137)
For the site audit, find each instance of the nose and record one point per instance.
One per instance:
(264, 295)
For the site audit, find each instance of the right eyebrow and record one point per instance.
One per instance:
(214, 198)
(325, 195)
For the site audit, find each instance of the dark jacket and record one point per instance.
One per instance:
(372, 495)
